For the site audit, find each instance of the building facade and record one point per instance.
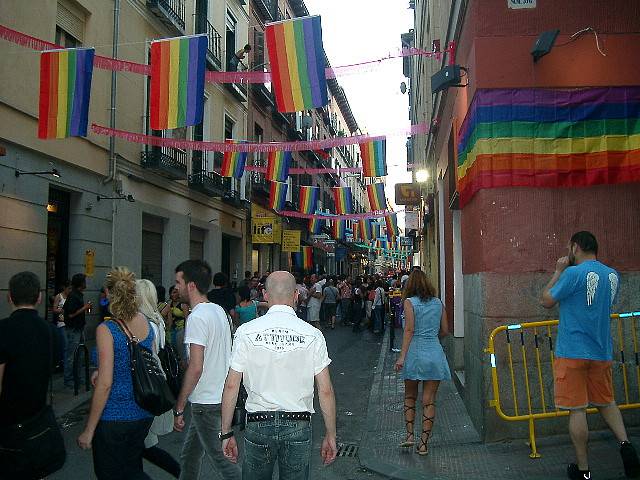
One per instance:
(181, 208)
(492, 244)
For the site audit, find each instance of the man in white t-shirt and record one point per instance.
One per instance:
(277, 357)
(208, 343)
(315, 300)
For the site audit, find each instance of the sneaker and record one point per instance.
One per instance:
(630, 460)
(576, 474)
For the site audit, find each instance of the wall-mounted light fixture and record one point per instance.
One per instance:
(53, 172)
(128, 198)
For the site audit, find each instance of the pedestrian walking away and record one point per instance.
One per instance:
(117, 425)
(346, 294)
(209, 352)
(277, 357)
(331, 296)
(421, 358)
(75, 309)
(586, 290)
(31, 445)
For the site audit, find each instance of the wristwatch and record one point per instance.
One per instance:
(177, 413)
(224, 436)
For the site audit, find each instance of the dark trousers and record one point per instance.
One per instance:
(357, 312)
(162, 459)
(117, 449)
(345, 311)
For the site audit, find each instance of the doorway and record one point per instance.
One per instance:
(225, 263)
(57, 271)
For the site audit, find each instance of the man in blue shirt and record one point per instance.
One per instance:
(585, 290)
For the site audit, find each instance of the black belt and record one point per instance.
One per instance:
(266, 416)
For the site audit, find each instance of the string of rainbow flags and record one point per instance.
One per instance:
(177, 70)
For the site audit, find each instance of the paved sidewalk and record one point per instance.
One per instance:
(455, 449)
(63, 399)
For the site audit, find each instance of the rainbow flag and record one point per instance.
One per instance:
(392, 225)
(339, 229)
(233, 163)
(545, 138)
(356, 230)
(375, 231)
(365, 229)
(297, 59)
(374, 155)
(278, 195)
(304, 259)
(278, 164)
(177, 82)
(65, 88)
(315, 226)
(343, 200)
(377, 200)
(308, 199)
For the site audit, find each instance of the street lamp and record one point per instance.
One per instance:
(422, 175)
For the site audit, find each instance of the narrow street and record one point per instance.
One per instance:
(354, 359)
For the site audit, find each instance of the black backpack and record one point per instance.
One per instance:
(171, 366)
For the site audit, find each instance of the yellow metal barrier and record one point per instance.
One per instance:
(542, 334)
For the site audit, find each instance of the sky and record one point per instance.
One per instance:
(354, 31)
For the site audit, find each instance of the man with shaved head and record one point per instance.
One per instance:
(278, 356)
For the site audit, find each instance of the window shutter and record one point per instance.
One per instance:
(71, 22)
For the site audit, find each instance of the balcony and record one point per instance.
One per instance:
(166, 161)
(238, 90)
(281, 119)
(265, 9)
(210, 183)
(262, 94)
(214, 47)
(260, 185)
(169, 12)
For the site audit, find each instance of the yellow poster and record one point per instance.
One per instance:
(263, 229)
(291, 240)
(89, 262)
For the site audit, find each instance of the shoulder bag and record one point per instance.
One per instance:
(240, 412)
(33, 448)
(150, 388)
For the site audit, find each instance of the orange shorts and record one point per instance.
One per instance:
(579, 383)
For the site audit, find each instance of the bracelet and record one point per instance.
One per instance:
(224, 436)
(177, 413)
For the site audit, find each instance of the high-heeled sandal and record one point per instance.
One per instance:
(424, 437)
(409, 424)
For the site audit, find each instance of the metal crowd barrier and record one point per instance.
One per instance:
(537, 394)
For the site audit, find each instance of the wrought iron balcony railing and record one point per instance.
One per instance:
(170, 12)
(210, 183)
(265, 8)
(214, 50)
(166, 161)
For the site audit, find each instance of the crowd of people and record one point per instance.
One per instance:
(258, 350)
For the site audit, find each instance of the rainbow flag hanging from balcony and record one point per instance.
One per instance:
(177, 82)
(304, 258)
(233, 163)
(315, 226)
(65, 89)
(355, 225)
(375, 231)
(278, 195)
(343, 200)
(339, 229)
(377, 200)
(297, 60)
(392, 225)
(543, 138)
(308, 199)
(374, 155)
(365, 229)
(278, 164)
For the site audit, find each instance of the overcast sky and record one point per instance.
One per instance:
(354, 31)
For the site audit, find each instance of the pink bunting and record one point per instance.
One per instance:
(349, 216)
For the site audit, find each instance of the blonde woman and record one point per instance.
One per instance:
(162, 424)
(422, 359)
(117, 426)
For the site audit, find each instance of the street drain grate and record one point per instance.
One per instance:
(347, 450)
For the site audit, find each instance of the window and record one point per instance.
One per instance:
(258, 49)
(69, 25)
(230, 39)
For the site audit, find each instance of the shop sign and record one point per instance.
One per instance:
(406, 241)
(341, 253)
(89, 263)
(407, 194)
(412, 220)
(521, 4)
(264, 230)
(291, 240)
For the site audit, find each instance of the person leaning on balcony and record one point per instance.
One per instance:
(237, 57)
(585, 290)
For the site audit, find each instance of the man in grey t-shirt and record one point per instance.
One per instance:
(331, 297)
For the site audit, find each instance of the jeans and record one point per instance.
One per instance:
(286, 441)
(73, 340)
(201, 439)
(345, 309)
(61, 350)
(117, 449)
(378, 316)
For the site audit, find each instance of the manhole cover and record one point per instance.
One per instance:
(347, 450)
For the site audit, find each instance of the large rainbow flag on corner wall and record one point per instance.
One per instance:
(177, 82)
(233, 163)
(343, 199)
(297, 60)
(309, 199)
(549, 138)
(65, 89)
(278, 195)
(304, 258)
(377, 199)
(374, 155)
(278, 164)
